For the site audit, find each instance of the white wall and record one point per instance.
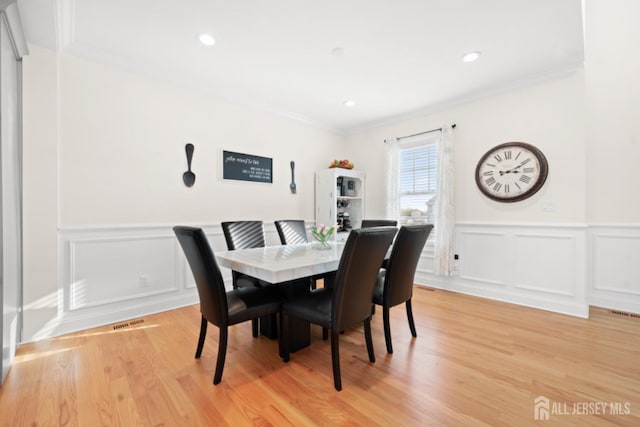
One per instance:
(122, 152)
(613, 109)
(549, 116)
(104, 158)
(613, 148)
(40, 191)
(586, 124)
(515, 252)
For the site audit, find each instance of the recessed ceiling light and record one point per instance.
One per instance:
(206, 39)
(337, 51)
(349, 103)
(471, 56)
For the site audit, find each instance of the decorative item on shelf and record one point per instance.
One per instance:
(344, 221)
(351, 188)
(322, 235)
(344, 164)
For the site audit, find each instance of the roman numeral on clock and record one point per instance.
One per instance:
(490, 181)
(525, 178)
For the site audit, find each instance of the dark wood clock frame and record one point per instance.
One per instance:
(542, 177)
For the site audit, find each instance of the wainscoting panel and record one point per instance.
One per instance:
(541, 266)
(490, 258)
(111, 273)
(546, 263)
(615, 267)
(110, 270)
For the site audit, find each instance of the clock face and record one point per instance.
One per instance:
(511, 172)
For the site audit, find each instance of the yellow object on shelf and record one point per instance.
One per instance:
(344, 164)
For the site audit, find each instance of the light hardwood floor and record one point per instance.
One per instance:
(475, 362)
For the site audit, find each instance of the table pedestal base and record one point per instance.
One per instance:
(299, 332)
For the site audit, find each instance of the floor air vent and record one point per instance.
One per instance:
(127, 324)
(622, 313)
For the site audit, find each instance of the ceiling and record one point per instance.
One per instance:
(400, 58)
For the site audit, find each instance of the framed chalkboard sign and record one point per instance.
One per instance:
(246, 167)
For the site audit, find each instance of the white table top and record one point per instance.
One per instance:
(276, 264)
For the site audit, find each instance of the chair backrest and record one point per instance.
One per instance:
(358, 269)
(366, 223)
(401, 269)
(291, 231)
(211, 291)
(243, 234)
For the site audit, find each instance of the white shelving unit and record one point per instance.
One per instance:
(333, 200)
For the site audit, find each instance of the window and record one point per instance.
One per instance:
(418, 183)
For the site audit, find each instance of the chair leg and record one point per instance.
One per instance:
(387, 328)
(313, 284)
(203, 335)
(335, 359)
(255, 327)
(222, 353)
(412, 325)
(369, 341)
(325, 334)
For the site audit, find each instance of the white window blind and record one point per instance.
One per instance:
(418, 174)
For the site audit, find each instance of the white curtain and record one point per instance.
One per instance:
(392, 191)
(446, 217)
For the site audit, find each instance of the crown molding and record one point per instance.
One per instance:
(11, 16)
(64, 23)
(487, 92)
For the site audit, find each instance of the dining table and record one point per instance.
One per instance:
(282, 263)
(290, 267)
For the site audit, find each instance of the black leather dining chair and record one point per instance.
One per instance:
(349, 301)
(246, 235)
(291, 231)
(366, 223)
(395, 282)
(294, 232)
(218, 306)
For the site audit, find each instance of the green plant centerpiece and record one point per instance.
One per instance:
(322, 235)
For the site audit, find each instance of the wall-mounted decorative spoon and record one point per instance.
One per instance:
(292, 186)
(189, 177)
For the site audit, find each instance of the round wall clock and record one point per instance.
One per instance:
(511, 172)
